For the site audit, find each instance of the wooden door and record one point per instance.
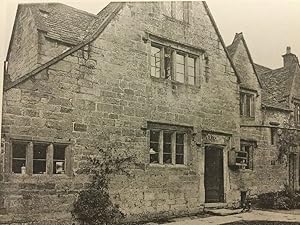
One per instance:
(213, 177)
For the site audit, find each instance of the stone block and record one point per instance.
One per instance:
(66, 110)
(62, 66)
(13, 94)
(13, 110)
(149, 196)
(79, 127)
(90, 105)
(30, 112)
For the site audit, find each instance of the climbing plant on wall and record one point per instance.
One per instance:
(93, 205)
(288, 140)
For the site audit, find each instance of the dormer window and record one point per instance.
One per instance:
(247, 104)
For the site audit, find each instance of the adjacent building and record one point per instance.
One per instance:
(150, 79)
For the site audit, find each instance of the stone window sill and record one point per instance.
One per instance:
(38, 177)
(177, 20)
(248, 118)
(176, 166)
(246, 171)
(174, 82)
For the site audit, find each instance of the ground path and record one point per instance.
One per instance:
(285, 216)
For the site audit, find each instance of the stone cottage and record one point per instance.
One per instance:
(268, 101)
(150, 79)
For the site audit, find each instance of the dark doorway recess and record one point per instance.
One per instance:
(214, 174)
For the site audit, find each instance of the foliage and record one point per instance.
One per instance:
(288, 139)
(286, 199)
(93, 205)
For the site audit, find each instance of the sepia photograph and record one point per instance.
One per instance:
(150, 112)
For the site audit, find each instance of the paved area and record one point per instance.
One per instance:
(253, 215)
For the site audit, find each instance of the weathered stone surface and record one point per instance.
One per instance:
(106, 102)
(80, 127)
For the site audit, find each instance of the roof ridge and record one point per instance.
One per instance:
(262, 66)
(78, 10)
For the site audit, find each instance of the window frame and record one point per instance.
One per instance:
(244, 112)
(17, 158)
(36, 160)
(297, 113)
(171, 51)
(160, 62)
(29, 157)
(250, 152)
(173, 131)
(273, 135)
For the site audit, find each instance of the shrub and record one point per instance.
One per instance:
(267, 200)
(93, 205)
(286, 199)
(283, 202)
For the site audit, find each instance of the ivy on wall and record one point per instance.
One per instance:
(288, 140)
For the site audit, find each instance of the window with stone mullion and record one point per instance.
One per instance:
(297, 114)
(18, 156)
(154, 146)
(248, 148)
(179, 157)
(247, 106)
(155, 61)
(191, 65)
(39, 157)
(242, 103)
(167, 147)
(180, 67)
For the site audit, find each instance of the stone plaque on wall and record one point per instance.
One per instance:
(214, 138)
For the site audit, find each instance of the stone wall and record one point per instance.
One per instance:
(268, 173)
(23, 50)
(105, 101)
(50, 48)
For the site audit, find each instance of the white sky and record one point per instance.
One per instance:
(269, 26)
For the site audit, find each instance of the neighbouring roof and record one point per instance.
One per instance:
(261, 69)
(277, 85)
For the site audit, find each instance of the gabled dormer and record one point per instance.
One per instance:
(42, 32)
(250, 86)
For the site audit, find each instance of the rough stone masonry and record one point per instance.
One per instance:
(68, 93)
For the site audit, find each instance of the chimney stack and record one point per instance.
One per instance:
(289, 58)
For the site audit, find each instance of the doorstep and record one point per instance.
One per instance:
(218, 205)
(223, 212)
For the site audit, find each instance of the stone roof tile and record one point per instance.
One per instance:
(277, 85)
(62, 22)
(260, 68)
